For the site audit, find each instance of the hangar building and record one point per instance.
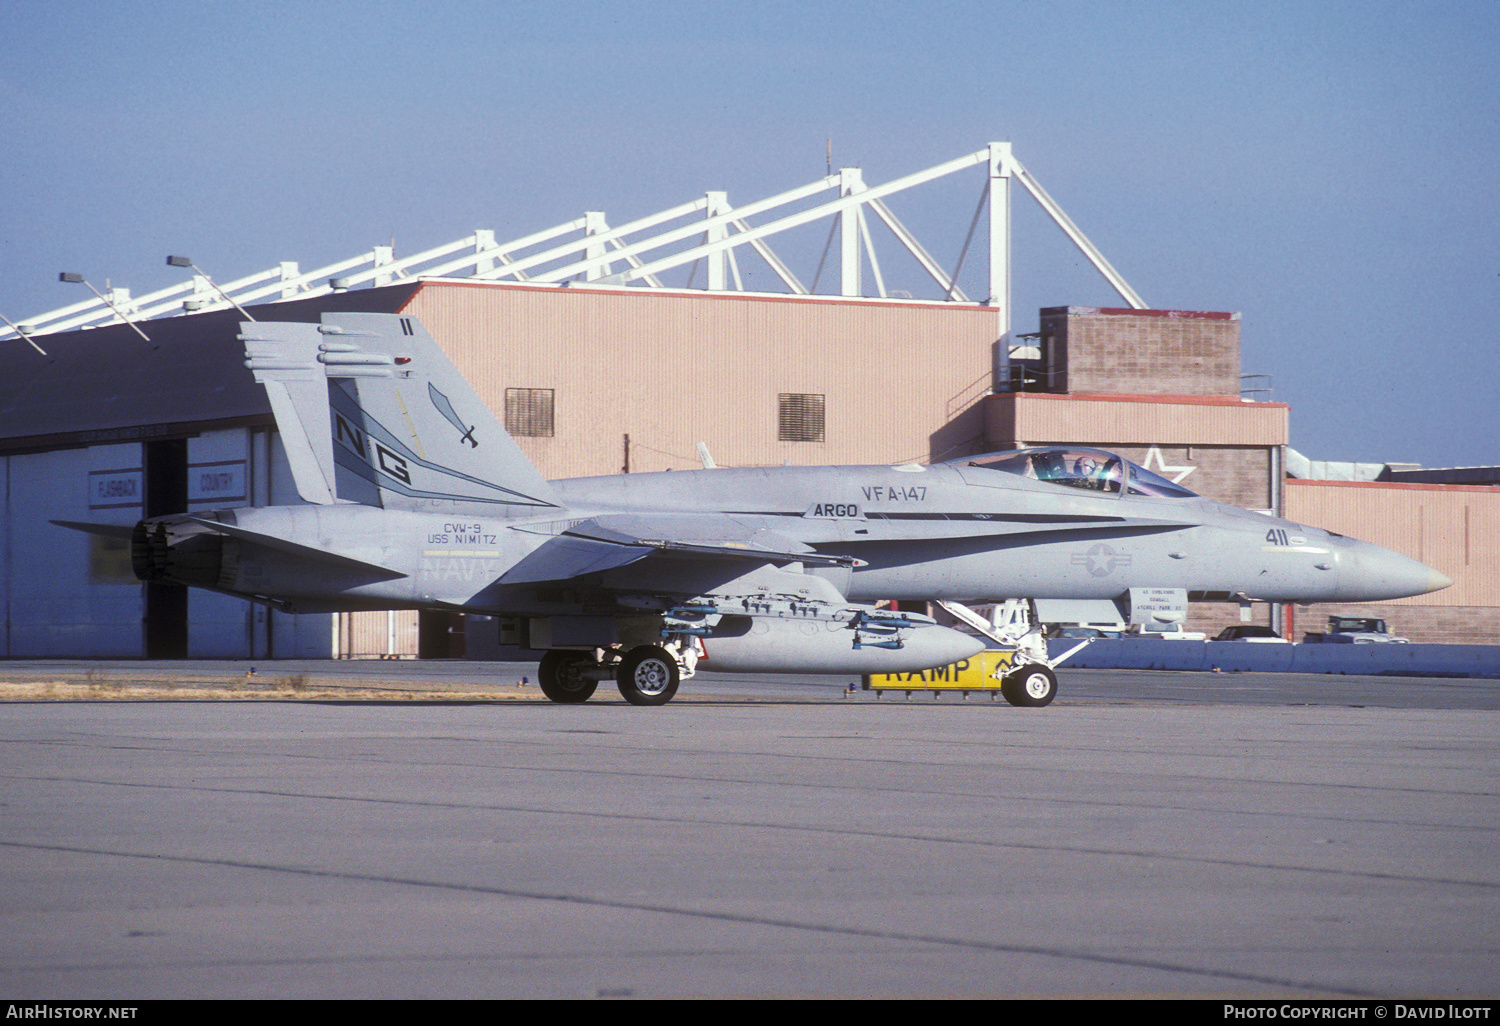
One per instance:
(597, 366)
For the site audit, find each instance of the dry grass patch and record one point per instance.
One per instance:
(103, 684)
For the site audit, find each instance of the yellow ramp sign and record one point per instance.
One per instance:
(978, 673)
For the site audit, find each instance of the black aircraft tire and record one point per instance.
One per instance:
(1033, 685)
(560, 675)
(648, 675)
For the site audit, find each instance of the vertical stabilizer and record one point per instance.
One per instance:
(284, 357)
(400, 427)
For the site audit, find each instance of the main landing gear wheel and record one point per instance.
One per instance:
(561, 675)
(648, 675)
(1032, 685)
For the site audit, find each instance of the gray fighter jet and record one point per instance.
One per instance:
(418, 499)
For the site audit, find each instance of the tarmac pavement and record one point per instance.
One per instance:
(1145, 835)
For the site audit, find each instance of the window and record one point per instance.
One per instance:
(528, 412)
(800, 417)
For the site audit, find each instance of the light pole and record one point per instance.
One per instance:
(24, 330)
(182, 261)
(68, 276)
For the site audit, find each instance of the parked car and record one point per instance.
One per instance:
(1251, 632)
(1166, 632)
(1082, 632)
(1355, 630)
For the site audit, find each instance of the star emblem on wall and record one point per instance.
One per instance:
(1173, 474)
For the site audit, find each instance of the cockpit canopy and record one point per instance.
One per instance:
(1090, 469)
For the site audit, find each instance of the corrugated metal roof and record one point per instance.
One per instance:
(108, 384)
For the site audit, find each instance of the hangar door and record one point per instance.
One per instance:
(166, 478)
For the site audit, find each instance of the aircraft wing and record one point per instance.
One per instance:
(304, 551)
(716, 535)
(603, 543)
(565, 557)
(610, 541)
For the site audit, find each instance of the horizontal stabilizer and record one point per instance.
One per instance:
(122, 531)
(303, 551)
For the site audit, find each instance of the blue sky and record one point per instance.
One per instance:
(1328, 170)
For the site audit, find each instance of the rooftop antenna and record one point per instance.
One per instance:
(68, 276)
(182, 261)
(830, 154)
(24, 330)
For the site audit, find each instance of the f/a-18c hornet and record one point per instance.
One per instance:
(418, 499)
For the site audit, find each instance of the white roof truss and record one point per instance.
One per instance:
(639, 252)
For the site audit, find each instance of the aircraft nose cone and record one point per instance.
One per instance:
(1369, 573)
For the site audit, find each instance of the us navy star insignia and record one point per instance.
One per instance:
(1101, 560)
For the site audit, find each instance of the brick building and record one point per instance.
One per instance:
(1161, 387)
(1141, 352)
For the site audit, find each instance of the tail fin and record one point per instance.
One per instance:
(371, 410)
